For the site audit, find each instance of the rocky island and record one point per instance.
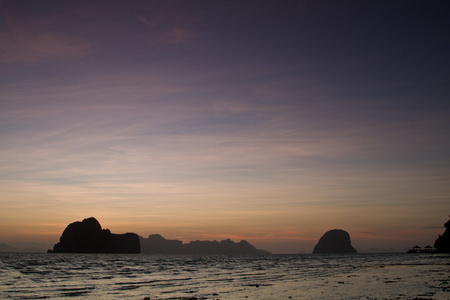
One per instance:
(334, 241)
(89, 237)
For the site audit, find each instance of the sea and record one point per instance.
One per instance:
(142, 276)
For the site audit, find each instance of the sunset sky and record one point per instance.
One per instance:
(269, 121)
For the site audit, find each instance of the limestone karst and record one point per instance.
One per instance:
(334, 241)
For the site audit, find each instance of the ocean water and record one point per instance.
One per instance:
(140, 276)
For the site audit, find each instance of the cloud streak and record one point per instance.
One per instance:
(21, 41)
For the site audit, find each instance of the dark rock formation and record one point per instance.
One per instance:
(89, 237)
(334, 241)
(156, 244)
(442, 244)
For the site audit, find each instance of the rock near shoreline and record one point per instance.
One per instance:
(442, 244)
(334, 241)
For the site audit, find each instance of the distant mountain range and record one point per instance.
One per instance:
(8, 248)
(156, 244)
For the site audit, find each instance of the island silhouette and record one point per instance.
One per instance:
(88, 236)
(156, 244)
(334, 241)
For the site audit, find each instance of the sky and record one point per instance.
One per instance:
(268, 121)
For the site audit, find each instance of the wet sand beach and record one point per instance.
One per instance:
(113, 276)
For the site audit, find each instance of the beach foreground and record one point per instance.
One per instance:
(132, 276)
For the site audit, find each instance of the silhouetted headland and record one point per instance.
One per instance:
(334, 241)
(89, 237)
(442, 244)
(156, 244)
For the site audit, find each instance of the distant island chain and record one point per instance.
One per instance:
(88, 236)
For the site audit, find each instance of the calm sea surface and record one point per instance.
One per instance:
(140, 276)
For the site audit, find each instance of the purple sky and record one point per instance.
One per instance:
(269, 121)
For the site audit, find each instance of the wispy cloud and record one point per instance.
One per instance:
(434, 227)
(31, 47)
(23, 41)
(172, 27)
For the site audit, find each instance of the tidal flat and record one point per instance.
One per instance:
(140, 276)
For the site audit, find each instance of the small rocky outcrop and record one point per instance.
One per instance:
(89, 237)
(442, 244)
(334, 241)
